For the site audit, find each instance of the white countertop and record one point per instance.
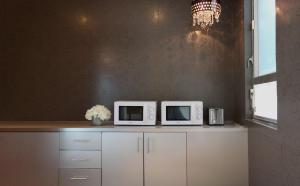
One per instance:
(45, 126)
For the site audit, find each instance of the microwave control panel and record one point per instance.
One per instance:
(151, 113)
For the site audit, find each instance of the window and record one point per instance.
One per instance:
(264, 99)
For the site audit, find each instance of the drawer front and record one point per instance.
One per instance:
(80, 177)
(80, 159)
(80, 140)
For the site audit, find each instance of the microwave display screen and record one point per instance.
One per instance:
(131, 113)
(178, 113)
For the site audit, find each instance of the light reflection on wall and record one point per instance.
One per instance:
(284, 11)
(82, 20)
(200, 39)
(106, 89)
(106, 83)
(207, 49)
(278, 10)
(157, 15)
(106, 56)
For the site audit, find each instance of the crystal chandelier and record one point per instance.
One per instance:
(205, 13)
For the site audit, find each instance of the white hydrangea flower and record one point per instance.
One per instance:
(98, 111)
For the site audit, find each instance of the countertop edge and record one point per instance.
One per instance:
(73, 126)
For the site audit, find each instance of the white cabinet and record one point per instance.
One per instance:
(122, 155)
(80, 159)
(211, 157)
(80, 177)
(84, 141)
(217, 158)
(29, 158)
(165, 159)
(161, 161)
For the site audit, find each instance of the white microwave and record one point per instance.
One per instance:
(182, 113)
(135, 113)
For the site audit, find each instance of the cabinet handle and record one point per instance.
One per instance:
(79, 159)
(148, 145)
(79, 178)
(81, 140)
(138, 144)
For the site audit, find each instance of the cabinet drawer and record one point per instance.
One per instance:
(80, 159)
(80, 177)
(80, 140)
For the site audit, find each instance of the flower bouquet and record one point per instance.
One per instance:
(97, 114)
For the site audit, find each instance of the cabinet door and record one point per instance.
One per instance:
(29, 158)
(165, 159)
(122, 159)
(217, 158)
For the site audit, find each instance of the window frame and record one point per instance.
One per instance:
(256, 78)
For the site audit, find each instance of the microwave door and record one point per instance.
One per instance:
(135, 113)
(131, 113)
(181, 113)
(178, 113)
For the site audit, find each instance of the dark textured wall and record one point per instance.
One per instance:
(59, 58)
(274, 155)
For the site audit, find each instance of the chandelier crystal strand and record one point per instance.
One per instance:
(205, 13)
